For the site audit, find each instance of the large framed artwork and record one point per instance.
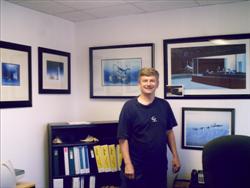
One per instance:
(210, 67)
(114, 69)
(201, 125)
(54, 71)
(16, 79)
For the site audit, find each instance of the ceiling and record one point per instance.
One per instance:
(82, 10)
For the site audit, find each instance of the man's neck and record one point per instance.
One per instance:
(146, 99)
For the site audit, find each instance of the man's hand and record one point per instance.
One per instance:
(129, 171)
(176, 165)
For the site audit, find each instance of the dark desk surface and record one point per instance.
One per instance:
(202, 185)
(180, 183)
(183, 183)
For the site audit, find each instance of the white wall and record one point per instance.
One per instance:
(23, 130)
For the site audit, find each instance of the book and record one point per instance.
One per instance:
(58, 183)
(113, 158)
(77, 159)
(71, 161)
(66, 160)
(119, 157)
(98, 153)
(105, 158)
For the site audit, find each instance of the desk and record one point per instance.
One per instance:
(25, 185)
(197, 185)
(183, 183)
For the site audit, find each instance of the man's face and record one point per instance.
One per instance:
(148, 84)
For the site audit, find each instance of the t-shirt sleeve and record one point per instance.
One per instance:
(171, 121)
(123, 124)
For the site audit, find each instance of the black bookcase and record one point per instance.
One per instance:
(70, 134)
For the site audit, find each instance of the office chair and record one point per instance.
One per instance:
(226, 162)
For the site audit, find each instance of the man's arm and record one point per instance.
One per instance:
(129, 168)
(176, 165)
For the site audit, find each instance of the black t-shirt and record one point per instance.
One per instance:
(145, 127)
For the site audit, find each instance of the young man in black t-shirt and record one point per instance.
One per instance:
(144, 131)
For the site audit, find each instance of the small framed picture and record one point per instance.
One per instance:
(54, 71)
(114, 69)
(175, 90)
(201, 125)
(16, 79)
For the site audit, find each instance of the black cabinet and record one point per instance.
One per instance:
(68, 153)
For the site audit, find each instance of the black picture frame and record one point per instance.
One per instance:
(208, 67)
(16, 76)
(54, 71)
(114, 69)
(201, 125)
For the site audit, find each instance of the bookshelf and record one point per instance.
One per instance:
(72, 162)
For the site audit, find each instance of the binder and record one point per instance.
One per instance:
(92, 182)
(105, 158)
(56, 165)
(71, 161)
(119, 157)
(61, 162)
(84, 169)
(82, 182)
(92, 160)
(113, 158)
(58, 183)
(66, 160)
(87, 159)
(97, 151)
(81, 159)
(76, 182)
(76, 159)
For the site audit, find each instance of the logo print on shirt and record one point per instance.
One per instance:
(154, 119)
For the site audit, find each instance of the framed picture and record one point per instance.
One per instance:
(175, 90)
(201, 125)
(15, 71)
(54, 71)
(211, 67)
(114, 69)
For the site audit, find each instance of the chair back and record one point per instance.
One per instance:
(226, 162)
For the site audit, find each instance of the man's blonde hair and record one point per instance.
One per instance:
(148, 71)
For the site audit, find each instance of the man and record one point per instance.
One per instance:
(144, 130)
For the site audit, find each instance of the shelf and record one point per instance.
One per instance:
(62, 156)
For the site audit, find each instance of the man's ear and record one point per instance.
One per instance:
(157, 83)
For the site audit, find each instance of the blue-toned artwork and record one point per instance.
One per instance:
(202, 127)
(10, 74)
(55, 70)
(199, 135)
(119, 72)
